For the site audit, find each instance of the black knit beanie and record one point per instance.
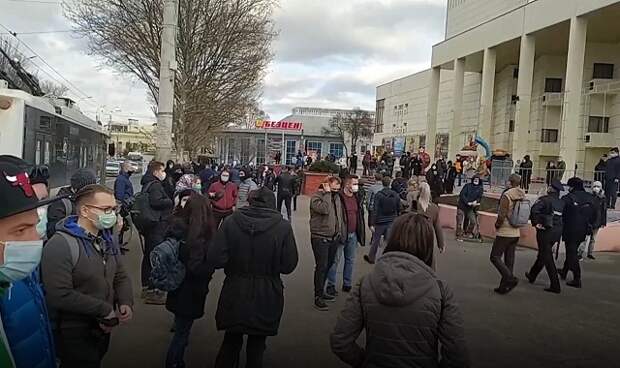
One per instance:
(82, 178)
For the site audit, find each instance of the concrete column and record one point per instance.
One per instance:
(431, 120)
(485, 117)
(521, 134)
(457, 118)
(572, 97)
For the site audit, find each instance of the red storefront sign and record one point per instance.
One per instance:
(282, 125)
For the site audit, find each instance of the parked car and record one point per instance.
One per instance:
(112, 168)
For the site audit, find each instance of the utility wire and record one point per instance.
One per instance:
(14, 34)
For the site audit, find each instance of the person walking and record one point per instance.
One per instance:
(327, 232)
(372, 192)
(223, 194)
(366, 163)
(399, 185)
(25, 330)
(192, 225)
(470, 199)
(386, 208)
(154, 232)
(245, 187)
(297, 186)
(429, 209)
(286, 188)
(507, 236)
(612, 178)
(525, 170)
(254, 247)
(435, 180)
(87, 289)
(410, 317)
(352, 199)
(546, 217)
(353, 164)
(579, 218)
(450, 178)
(587, 246)
(123, 192)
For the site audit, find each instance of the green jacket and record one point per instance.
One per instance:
(327, 217)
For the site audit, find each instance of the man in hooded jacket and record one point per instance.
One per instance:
(255, 245)
(469, 200)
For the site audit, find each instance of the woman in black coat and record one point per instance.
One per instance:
(254, 245)
(434, 179)
(192, 224)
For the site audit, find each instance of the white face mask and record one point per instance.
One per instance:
(161, 175)
(596, 190)
(355, 188)
(225, 178)
(20, 259)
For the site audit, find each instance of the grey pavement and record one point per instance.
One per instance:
(527, 328)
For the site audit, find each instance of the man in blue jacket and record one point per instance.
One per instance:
(27, 340)
(123, 189)
(469, 201)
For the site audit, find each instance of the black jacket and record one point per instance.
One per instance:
(387, 207)
(286, 184)
(601, 219)
(361, 224)
(547, 211)
(579, 216)
(56, 211)
(470, 193)
(612, 171)
(254, 246)
(189, 299)
(158, 198)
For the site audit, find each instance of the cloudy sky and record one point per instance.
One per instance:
(329, 53)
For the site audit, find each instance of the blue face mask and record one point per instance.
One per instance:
(20, 259)
(42, 224)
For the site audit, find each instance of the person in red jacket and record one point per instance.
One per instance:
(223, 194)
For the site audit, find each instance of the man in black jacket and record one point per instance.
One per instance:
(386, 208)
(286, 189)
(255, 245)
(579, 217)
(612, 177)
(546, 216)
(155, 232)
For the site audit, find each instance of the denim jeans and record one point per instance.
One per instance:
(348, 249)
(176, 350)
(381, 231)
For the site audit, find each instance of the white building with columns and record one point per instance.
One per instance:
(537, 77)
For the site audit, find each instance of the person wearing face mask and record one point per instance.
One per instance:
(387, 207)
(352, 200)
(153, 229)
(469, 201)
(224, 195)
(25, 332)
(612, 178)
(546, 217)
(88, 291)
(245, 187)
(587, 246)
(286, 188)
(123, 189)
(434, 179)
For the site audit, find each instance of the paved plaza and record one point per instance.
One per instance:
(527, 328)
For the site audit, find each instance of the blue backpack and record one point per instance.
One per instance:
(168, 271)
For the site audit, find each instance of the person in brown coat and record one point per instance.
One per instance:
(411, 317)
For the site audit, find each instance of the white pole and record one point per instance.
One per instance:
(168, 66)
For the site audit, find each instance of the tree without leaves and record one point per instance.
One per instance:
(352, 125)
(53, 89)
(223, 49)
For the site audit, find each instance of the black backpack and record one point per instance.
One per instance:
(142, 214)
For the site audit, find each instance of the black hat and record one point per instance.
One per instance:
(557, 185)
(575, 183)
(82, 178)
(16, 193)
(38, 174)
(262, 197)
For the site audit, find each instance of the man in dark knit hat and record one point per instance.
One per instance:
(66, 206)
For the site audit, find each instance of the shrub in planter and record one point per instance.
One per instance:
(324, 167)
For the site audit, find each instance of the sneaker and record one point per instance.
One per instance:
(591, 257)
(320, 305)
(346, 289)
(331, 291)
(367, 259)
(328, 298)
(155, 297)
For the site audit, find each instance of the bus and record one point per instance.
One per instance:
(53, 132)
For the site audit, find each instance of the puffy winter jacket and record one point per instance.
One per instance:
(26, 324)
(327, 216)
(387, 207)
(245, 187)
(407, 314)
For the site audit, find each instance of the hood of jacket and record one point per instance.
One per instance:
(255, 220)
(388, 193)
(70, 226)
(399, 279)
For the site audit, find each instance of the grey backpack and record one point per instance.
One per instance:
(521, 211)
(74, 247)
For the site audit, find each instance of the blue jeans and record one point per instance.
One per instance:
(381, 231)
(176, 351)
(348, 249)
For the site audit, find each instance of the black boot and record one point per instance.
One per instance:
(576, 283)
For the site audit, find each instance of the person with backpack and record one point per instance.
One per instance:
(410, 317)
(470, 199)
(223, 194)
(510, 217)
(372, 192)
(387, 206)
(63, 208)
(399, 185)
(186, 273)
(153, 207)
(87, 289)
(254, 246)
(286, 188)
(587, 246)
(579, 218)
(546, 217)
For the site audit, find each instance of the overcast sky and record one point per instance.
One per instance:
(330, 53)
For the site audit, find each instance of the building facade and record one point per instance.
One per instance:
(131, 136)
(537, 77)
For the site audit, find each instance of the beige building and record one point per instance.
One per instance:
(537, 77)
(131, 136)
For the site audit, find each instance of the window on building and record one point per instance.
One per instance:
(37, 154)
(511, 126)
(553, 85)
(603, 71)
(314, 147)
(45, 122)
(379, 116)
(549, 135)
(260, 151)
(46, 158)
(244, 156)
(598, 124)
(336, 149)
(290, 151)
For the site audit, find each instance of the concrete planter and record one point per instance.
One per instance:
(312, 180)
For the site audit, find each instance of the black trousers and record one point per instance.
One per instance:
(545, 259)
(81, 347)
(611, 193)
(286, 198)
(295, 202)
(153, 236)
(324, 257)
(228, 357)
(504, 247)
(219, 217)
(572, 260)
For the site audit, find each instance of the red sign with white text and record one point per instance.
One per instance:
(282, 125)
